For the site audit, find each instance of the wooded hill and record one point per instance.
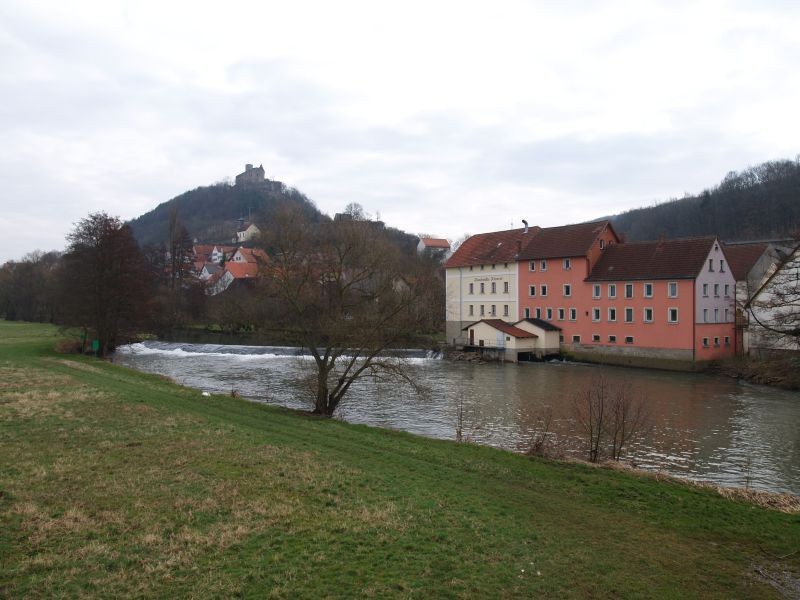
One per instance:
(210, 213)
(761, 202)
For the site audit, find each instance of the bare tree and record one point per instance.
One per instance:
(604, 410)
(626, 417)
(104, 282)
(348, 295)
(589, 407)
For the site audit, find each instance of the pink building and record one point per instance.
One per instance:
(668, 301)
(553, 268)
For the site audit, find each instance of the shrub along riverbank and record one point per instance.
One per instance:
(117, 483)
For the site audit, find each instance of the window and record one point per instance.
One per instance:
(672, 315)
(543, 266)
(705, 315)
(629, 315)
(648, 290)
(705, 342)
(710, 265)
(727, 340)
(470, 268)
(560, 314)
(721, 266)
(527, 313)
(505, 265)
(494, 310)
(602, 244)
(532, 291)
(727, 315)
(595, 337)
(471, 289)
(573, 314)
(716, 290)
(482, 288)
(648, 315)
(505, 310)
(705, 290)
(532, 266)
(727, 290)
(576, 339)
(492, 266)
(612, 290)
(508, 338)
(672, 289)
(628, 339)
(538, 313)
(567, 290)
(612, 314)
(612, 339)
(716, 342)
(544, 290)
(471, 310)
(629, 290)
(561, 338)
(481, 267)
(549, 314)
(494, 287)
(596, 290)
(595, 314)
(567, 264)
(481, 309)
(505, 287)
(716, 315)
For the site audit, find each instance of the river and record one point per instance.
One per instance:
(704, 427)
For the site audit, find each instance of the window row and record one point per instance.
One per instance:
(566, 290)
(726, 288)
(716, 342)
(628, 291)
(561, 313)
(493, 266)
(629, 315)
(492, 310)
(707, 314)
(612, 339)
(493, 288)
(566, 265)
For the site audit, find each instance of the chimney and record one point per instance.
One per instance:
(248, 167)
(526, 226)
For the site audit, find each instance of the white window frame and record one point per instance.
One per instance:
(532, 266)
(632, 314)
(705, 290)
(669, 314)
(548, 314)
(567, 290)
(644, 314)
(567, 264)
(532, 291)
(561, 314)
(597, 315)
(669, 289)
(612, 286)
(610, 320)
(628, 286)
(494, 287)
(573, 314)
(645, 286)
(505, 310)
(543, 266)
(597, 290)
(471, 310)
(543, 290)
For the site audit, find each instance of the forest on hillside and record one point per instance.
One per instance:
(761, 202)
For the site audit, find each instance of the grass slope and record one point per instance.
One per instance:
(115, 483)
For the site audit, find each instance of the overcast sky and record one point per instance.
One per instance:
(444, 117)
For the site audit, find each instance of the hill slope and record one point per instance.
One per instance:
(761, 202)
(210, 213)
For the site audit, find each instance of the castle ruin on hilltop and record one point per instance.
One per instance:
(254, 178)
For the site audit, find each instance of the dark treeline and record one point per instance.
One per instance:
(112, 290)
(761, 202)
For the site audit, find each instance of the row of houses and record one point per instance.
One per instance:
(670, 303)
(218, 267)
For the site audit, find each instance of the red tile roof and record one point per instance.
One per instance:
(564, 241)
(508, 328)
(742, 257)
(253, 255)
(203, 250)
(490, 248)
(435, 243)
(242, 270)
(666, 259)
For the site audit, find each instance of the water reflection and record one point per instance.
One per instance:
(705, 427)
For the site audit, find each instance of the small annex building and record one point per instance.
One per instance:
(507, 342)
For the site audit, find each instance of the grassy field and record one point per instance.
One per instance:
(115, 483)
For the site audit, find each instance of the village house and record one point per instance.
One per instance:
(246, 232)
(774, 309)
(511, 342)
(436, 247)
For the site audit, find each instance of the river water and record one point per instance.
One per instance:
(704, 427)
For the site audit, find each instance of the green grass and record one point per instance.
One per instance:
(114, 483)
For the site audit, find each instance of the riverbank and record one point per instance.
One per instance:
(117, 483)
